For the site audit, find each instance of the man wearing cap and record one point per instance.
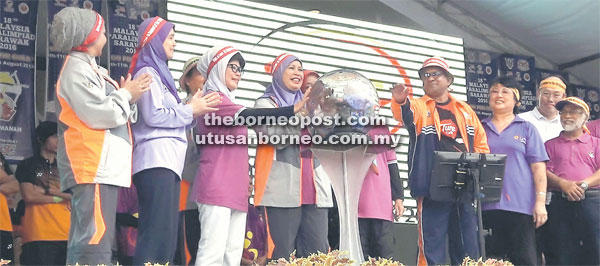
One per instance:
(544, 116)
(574, 173)
(191, 81)
(94, 141)
(439, 122)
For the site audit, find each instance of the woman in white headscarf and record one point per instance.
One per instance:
(221, 184)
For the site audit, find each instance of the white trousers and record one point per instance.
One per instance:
(222, 237)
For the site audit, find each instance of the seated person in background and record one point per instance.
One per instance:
(46, 223)
(574, 170)
(8, 187)
(255, 239)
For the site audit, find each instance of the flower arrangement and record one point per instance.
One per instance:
(489, 262)
(333, 258)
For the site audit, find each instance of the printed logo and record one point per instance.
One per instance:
(448, 128)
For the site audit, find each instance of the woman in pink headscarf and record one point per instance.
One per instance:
(290, 182)
(310, 77)
(221, 185)
(160, 142)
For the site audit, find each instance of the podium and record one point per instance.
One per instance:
(468, 177)
(347, 167)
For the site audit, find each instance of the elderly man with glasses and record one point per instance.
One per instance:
(439, 122)
(574, 173)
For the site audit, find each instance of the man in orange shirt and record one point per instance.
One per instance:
(46, 221)
(439, 122)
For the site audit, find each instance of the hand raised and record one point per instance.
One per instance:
(299, 106)
(399, 92)
(136, 87)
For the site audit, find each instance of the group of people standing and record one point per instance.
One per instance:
(124, 151)
(549, 151)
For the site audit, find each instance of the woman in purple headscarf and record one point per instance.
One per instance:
(290, 182)
(160, 142)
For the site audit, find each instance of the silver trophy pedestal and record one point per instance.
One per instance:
(347, 167)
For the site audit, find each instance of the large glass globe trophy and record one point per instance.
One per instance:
(344, 94)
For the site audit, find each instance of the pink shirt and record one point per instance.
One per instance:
(376, 193)
(594, 127)
(573, 160)
(222, 177)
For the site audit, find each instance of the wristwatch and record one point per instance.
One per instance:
(584, 185)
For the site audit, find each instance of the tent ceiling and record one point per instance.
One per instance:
(561, 31)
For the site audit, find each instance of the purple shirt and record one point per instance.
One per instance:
(523, 145)
(573, 160)
(376, 193)
(159, 135)
(594, 127)
(256, 234)
(127, 235)
(222, 177)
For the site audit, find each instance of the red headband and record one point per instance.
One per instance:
(278, 61)
(218, 56)
(93, 36)
(153, 28)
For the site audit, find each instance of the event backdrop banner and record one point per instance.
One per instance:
(55, 58)
(541, 74)
(382, 53)
(17, 78)
(591, 95)
(124, 18)
(523, 69)
(482, 68)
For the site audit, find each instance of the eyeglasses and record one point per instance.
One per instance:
(236, 68)
(571, 112)
(432, 74)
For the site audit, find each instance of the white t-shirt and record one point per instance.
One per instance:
(548, 129)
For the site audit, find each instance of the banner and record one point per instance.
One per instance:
(55, 58)
(125, 16)
(591, 95)
(541, 74)
(481, 69)
(17, 78)
(523, 70)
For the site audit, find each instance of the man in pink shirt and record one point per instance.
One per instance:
(573, 169)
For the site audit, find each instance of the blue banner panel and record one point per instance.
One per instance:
(481, 69)
(17, 78)
(124, 18)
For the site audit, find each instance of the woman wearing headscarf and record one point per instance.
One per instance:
(94, 141)
(290, 182)
(522, 207)
(160, 142)
(221, 184)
